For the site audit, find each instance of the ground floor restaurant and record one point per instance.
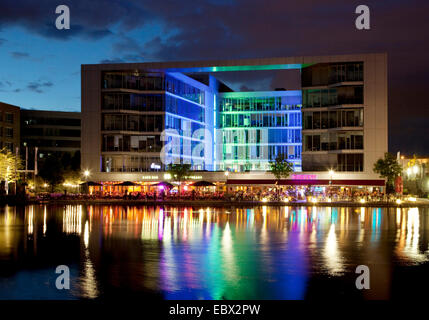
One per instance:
(322, 187)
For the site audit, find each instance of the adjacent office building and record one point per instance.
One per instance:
(9, 126)
(139, 117)
(50, 131)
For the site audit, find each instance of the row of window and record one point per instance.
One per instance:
(152, 82)
(330, 73)
(263, 153)
(333, 141)
(182, 126)
(130, 164)
(126, 163)
(184, 108)
(352, 162)
(258, 136)
(153, 102)
(132, 122)
(51, 121)
(131, 143)
(8, 132)
(260, 120)
(242, 166)
(8, 117)
(147, 143)
(52, 132)
(333, 119)
(316, 98)
(53, 143)
(260, 104)
(133, 101)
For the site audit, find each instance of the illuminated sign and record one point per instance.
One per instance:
(155, 166)
(150, 177)
(303, 177)
(194, 177)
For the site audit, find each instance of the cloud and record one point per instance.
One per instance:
(2, 41)
(38, 86)
(19, 55)
(90, 20)
(214, 29)
(113, 60)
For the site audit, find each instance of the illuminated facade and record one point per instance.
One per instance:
(255, 127)
(140, 117)
(137, 107)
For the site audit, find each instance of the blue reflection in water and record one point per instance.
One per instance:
(206, 253)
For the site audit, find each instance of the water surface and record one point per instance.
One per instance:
(213, 253)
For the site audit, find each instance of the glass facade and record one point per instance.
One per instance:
(316, 98)
(145, 81)
(255, 129)
(331, 73)
(150, 117)
(136, 109)
(333, 117)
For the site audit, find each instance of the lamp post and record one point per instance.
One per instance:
(86, 174)
(331, 173)
(226, 182)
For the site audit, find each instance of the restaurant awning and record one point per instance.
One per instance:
(202, 184)
(163, 183)
(127, 184)
(91, 184)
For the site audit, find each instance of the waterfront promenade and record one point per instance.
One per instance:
(229, 203)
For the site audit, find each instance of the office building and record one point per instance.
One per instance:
(140, 117)
(9, 126)
(50, 131)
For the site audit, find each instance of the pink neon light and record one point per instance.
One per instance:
(303, 177)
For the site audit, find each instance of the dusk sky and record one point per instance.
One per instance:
(40, 65)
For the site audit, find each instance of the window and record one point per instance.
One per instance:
(8, 117)
(9, 133)
(350, 162)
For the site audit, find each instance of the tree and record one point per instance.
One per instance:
(280, 167)
(179, 171)
(75, 161)
(9, 165)
(389, 168)
(52, 171)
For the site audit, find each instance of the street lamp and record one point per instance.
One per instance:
(331, 173)
(226, 182)
(86, 174)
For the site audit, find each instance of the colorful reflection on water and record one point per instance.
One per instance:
(207, 253)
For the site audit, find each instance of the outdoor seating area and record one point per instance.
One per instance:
(208, 191)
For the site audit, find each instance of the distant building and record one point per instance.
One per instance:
(9, 126)
(415, 173)
(50, 131)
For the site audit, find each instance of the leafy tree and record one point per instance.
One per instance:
(179, 171)
(66, 159)
(75, 161)
(389, 168)
(280, 167)
(52, 171)
(9, 165)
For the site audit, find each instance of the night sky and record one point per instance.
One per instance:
(40, 65)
